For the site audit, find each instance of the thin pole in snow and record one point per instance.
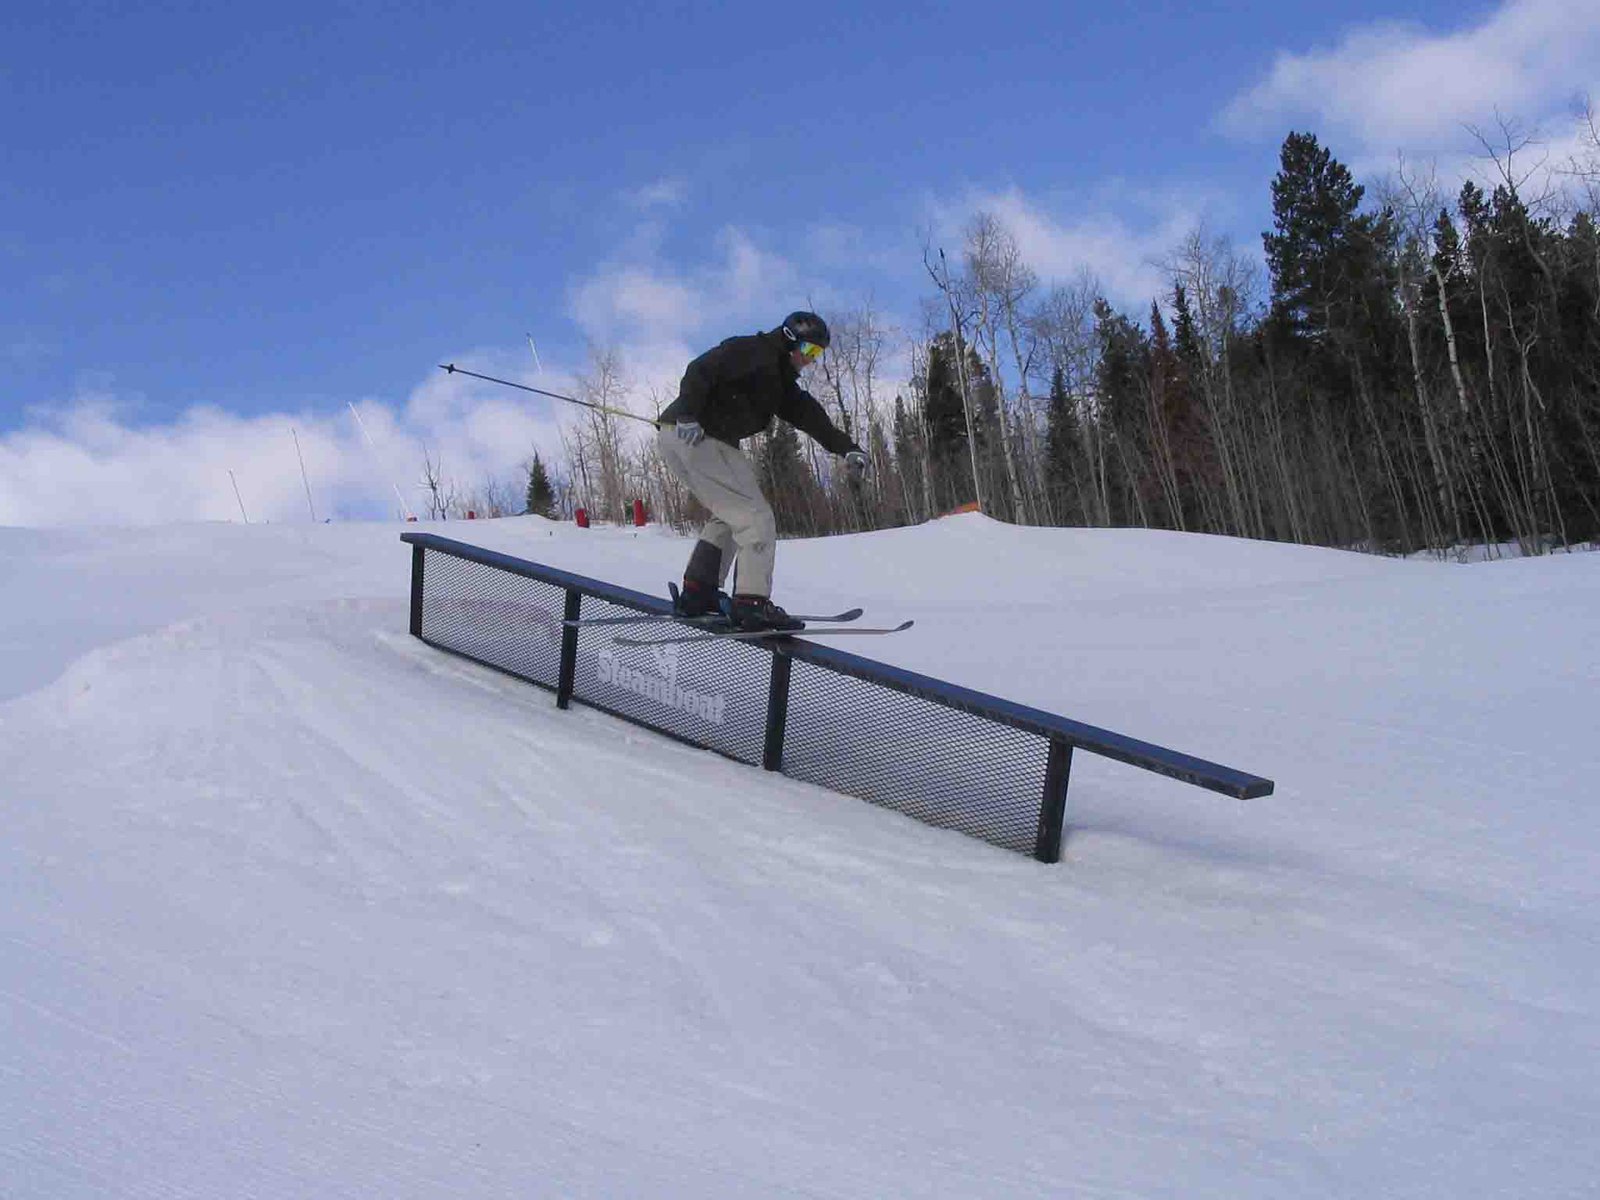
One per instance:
(405, 509)
(303, 477)
(239, 498)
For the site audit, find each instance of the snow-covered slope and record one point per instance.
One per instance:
(291, 905)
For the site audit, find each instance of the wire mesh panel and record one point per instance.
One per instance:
(941, 765)
(949, 768)
(943, 754)
(505, 620)
(713, 694)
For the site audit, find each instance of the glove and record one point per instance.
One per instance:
(855, 463)
(690, 432)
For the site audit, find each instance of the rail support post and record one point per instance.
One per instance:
(417, 553)
(777, 711)
(1053, 804)
(569, 649)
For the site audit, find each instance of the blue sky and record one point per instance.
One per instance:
(219, 222)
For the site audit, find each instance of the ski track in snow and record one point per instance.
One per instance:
(293, 905)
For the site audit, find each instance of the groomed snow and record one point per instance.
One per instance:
(293, 906)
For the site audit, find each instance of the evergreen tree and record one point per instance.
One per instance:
(787, 480)
(1577, 430)
(1061, 451)
(943, 414)
(1185, 338)
(910, 461)
(954, 459)
(905, 433)
(1329, 261)
(541, 497)
(1447, 248)
(1172, 425)
(1336, 339)
(1121, 417)
(1317, 224)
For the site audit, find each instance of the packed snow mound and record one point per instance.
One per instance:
(291, 904)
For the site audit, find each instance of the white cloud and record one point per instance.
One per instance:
(1390, 86)
(89, 465)
(658, 315)
(853, 250)
(619, 301)
(662, 193)
(646, 299)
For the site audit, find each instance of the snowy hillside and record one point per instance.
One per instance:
(293, 906)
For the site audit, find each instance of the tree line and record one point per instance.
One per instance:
(1415, 372)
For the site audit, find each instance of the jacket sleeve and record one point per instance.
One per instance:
(802, 410)
(695, 390)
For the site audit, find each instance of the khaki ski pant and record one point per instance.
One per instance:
(723, 478)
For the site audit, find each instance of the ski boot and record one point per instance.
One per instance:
(751, 614)
(697, 599)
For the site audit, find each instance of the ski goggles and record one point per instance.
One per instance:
(811, 350)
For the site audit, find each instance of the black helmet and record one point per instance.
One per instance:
(806, 327)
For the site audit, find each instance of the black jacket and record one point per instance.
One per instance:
(735, 389)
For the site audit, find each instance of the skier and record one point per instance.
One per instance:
(729, 393)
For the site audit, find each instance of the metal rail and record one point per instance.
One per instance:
(1064, 735)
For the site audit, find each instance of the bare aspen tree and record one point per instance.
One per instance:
(850, 372)
(998, 282)
(850, 366)
(917, 473)
(668, 499)
(1447, 323)
(576, 447)
(1503, 154)
(1414, 199)
(1219, 285)
(1025, 334)
(1585, 167)
(604, 384)
(836, 382)
(1526, 482)
(494, 498)
(442, 492)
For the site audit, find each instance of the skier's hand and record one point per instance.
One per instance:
(855, 463)
(690, 432)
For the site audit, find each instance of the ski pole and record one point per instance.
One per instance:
(616, 412)
(405, 509)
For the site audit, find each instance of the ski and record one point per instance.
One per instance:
(710, 620)
(757, 635)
